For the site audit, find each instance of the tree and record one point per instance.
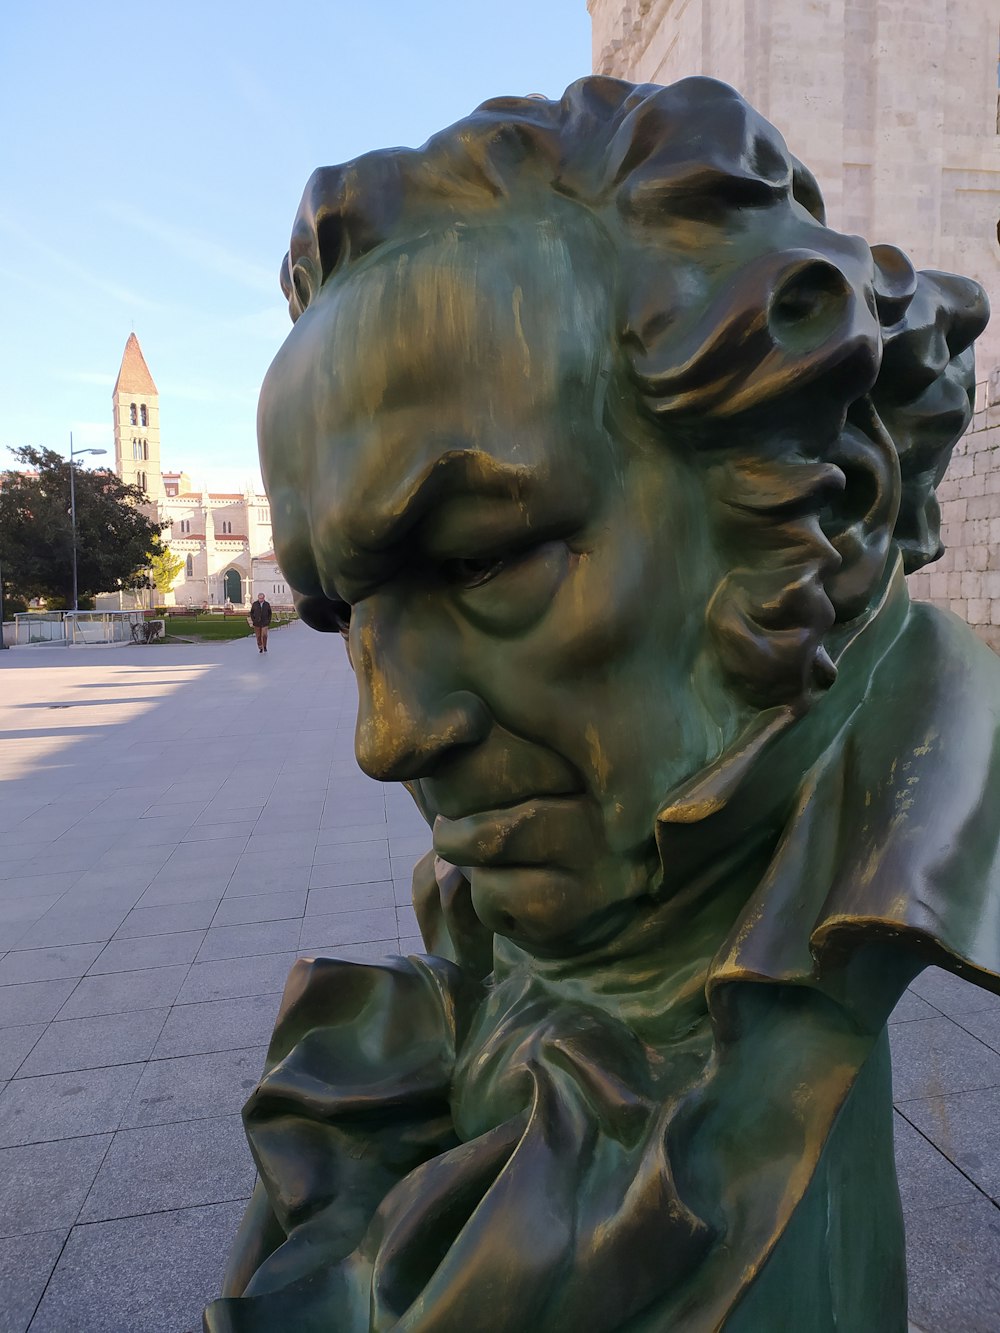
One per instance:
(113, 536)
(164, 566)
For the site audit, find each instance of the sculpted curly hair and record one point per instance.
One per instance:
(820, 384)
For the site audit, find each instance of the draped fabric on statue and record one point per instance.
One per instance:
(432, 1144)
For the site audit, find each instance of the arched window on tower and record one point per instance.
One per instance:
(143, 416)
(133, 416)
(145, 448)
(189, 566)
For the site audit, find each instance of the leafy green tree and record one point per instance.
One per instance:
(164, 566)
(113, 536)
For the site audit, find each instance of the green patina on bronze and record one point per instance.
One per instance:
(609, 457)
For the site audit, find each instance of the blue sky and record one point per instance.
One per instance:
(152, 160)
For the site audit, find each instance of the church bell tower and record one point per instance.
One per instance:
(137, 423)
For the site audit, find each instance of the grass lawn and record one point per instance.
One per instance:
(209, 628)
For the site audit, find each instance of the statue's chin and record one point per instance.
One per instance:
(552, 911)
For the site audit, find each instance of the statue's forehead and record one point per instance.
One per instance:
(488, 321)
(496, 339)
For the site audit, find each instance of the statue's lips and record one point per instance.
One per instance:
(541, 830)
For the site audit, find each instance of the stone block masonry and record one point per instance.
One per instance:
(966, 579)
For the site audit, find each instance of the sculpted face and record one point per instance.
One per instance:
(448, 451)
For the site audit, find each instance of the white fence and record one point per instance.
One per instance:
(70, 628)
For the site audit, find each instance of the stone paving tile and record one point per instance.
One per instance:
(179, 1165)
(71, 960)
(376, 831)
(26, 1263)
(26, 885)
(129, 955)
(413, 845)
(402, 867)
(191, 1087)
(934, 1056)
(92, 1043)
(184, 888)
(93, 884)
(912, 1007)
(343, 815)
(366, 870)
(966, 1128)
(33, 1001)
(63, 1106)
(149, 833)
(214, 833)
(72, 924)
(25, 911)
(258, 937)
(239, 911)
(985, 1025)
(139, 856)
(203, 855)
(268, 857)
(348, 853)
(44, 1185)
(349, 898)
(121, 992)
(402, 891)
(169, 919)
(253, 879)
(406, 921)
(151, 1274)
(15, 1046)
(229, 978)
(326, 932)
(953, 1275)
(951, 995)
(227, 814)
(218, 1025)
(926, 1177)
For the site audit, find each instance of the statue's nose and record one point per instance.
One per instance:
(409, 716)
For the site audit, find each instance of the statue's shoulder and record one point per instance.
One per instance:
(942, 649)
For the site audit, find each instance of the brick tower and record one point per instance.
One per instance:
(137, 423)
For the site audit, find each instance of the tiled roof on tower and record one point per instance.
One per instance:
(134, 376)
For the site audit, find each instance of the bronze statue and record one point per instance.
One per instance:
(609, 457)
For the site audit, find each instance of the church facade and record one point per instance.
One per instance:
(223, 537)
(895, 107)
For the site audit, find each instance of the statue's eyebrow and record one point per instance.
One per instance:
(369, 538)
(451, 473)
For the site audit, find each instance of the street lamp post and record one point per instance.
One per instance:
(75, 453)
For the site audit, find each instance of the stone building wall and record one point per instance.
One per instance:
(966, 579)
(894, 105)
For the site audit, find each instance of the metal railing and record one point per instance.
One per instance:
(69, 628)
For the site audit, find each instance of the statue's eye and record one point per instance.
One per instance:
(471, 571)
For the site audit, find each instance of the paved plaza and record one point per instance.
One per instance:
(177, 824)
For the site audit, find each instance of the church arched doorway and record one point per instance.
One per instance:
(234, 587)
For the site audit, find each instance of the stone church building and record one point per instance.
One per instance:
(223, 537)
(895, 107)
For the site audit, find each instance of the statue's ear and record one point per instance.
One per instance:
(858, 521)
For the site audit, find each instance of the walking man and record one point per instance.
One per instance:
(260, 618)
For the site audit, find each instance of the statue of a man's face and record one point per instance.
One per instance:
(527, 568)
